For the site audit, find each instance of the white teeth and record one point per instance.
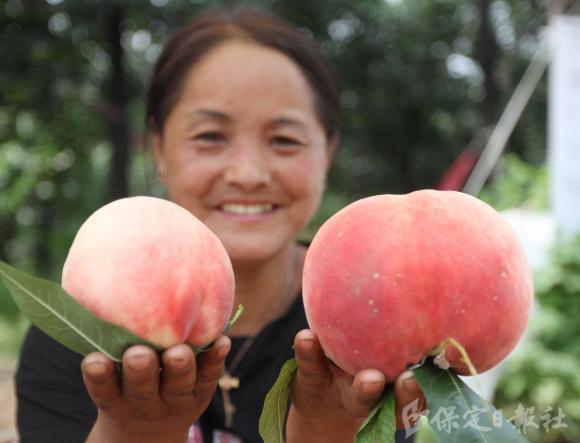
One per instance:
(239, 209)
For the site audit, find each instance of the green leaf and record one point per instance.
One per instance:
(457, 414)
(48, 306)
(273, 416)
(380, 426)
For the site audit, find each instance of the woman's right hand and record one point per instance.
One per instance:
(145, 404)
(327, 401)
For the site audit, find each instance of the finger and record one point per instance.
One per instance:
(140, 380)
(313, 368)
(100, 378)
(210, 367)
(178, 378)
(362, 393)
(409, 400)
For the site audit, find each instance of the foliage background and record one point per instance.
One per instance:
(421, 80)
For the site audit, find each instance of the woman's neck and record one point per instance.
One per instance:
(267, 289)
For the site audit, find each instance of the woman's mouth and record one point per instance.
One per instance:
(247, 211)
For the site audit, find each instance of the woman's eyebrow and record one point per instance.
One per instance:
(209, 113)
(288, 121)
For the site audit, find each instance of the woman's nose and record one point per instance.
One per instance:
(247, 167)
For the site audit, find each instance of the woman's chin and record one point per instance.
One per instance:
(251, 252)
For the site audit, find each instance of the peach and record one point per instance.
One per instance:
(148, 265)
(389, 278)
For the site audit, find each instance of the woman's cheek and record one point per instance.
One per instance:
(312, 195)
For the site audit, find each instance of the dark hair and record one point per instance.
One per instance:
(192, 41)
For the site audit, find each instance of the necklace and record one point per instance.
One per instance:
(228, 381)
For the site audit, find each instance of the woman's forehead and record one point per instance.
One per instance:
(239, 68)
(240, 80)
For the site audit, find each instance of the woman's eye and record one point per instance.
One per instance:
(210, 137)
(285, 141)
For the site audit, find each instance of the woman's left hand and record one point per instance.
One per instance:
(145, 403)
(326, 401)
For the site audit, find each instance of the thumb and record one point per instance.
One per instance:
(313, 371)
(409, 400)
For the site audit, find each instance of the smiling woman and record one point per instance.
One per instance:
(251, 169)
(244, 114)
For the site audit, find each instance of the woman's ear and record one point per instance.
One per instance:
(331, 149)
(159, 155)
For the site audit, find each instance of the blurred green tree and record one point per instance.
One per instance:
(419, 78)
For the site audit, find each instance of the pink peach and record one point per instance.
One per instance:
(150, 266)
(389, 278)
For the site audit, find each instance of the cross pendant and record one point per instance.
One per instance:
(229, 410)
(227, 382)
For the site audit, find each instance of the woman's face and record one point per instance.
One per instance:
(243, 149)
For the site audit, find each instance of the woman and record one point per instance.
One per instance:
(244, 114)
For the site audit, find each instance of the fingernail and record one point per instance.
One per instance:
(178, 358)
(308, 344)
(370, 386)
(410, 383)
(139, 361)
(372, 382)
(223, 351)
(96, 368)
